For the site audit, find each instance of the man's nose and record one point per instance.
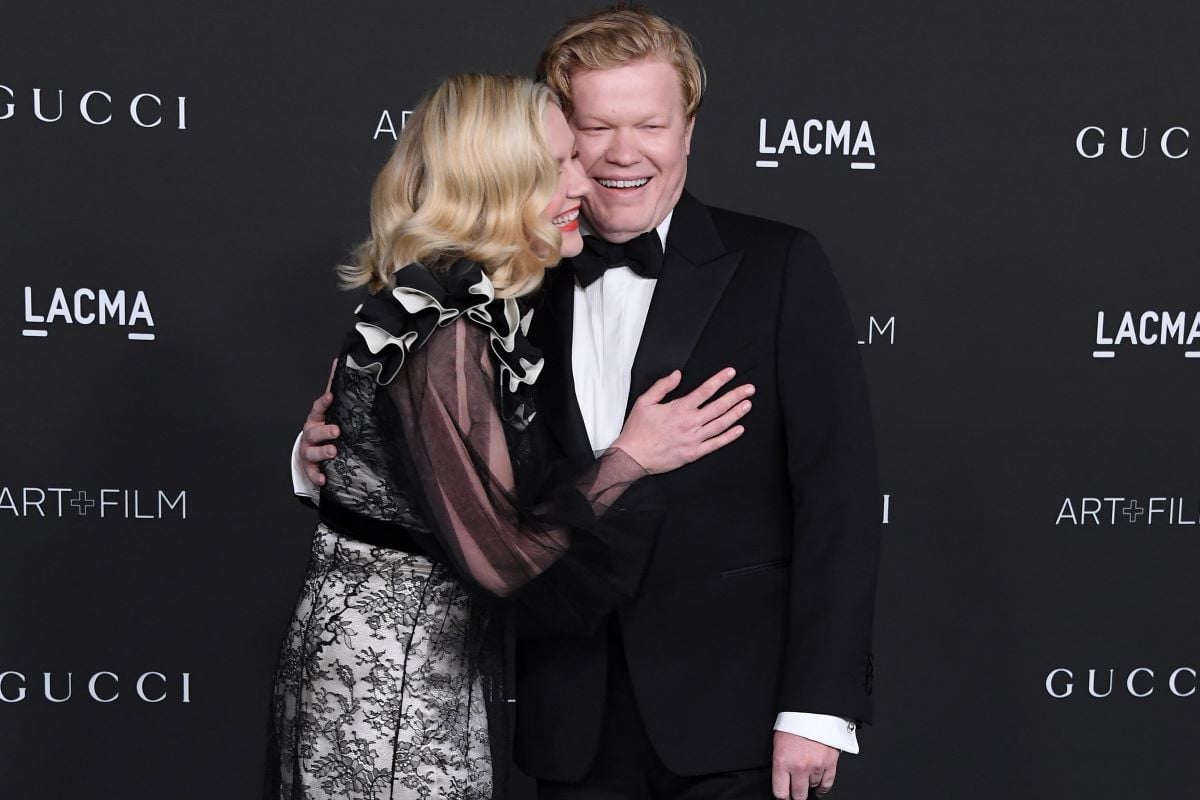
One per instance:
(622, 149)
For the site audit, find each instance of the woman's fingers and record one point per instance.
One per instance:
(704, 392)
(720, 405)
(735, 411)
(717, 442)
(689, 427)
(661, 388)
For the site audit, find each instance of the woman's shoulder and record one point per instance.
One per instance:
(403, 318)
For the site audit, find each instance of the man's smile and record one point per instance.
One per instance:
(622, 185)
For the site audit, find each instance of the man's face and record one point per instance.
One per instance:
(633, 141)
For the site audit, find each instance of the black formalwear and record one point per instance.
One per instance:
(759, 595)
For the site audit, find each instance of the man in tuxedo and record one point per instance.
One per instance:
(755, 611)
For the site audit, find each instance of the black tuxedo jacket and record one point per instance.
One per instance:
(759, 595)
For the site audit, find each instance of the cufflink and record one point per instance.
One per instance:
(849, 727)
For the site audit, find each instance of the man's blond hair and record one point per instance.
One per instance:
(617, 36)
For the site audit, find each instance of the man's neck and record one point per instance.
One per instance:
(664, 225)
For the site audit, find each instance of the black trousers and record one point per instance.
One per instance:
(628, 768)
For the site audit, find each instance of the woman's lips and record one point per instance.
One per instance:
(568, 220)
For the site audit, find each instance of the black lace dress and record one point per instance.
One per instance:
(441, 524)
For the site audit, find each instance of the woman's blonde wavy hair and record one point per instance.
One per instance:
(470, 177)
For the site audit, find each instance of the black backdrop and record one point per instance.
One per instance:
(1041, 499)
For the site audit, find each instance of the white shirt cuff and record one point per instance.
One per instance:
(301, 485)
(824, 728)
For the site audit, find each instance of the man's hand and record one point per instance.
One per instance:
(315, 441)
(799, 764)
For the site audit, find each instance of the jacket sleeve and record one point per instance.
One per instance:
(835, 494)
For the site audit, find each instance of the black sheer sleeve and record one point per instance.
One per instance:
(572, 553)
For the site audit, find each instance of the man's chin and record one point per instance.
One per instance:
(621, 224)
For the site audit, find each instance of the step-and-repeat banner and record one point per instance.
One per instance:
(1008, 192)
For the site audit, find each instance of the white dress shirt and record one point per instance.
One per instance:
(608, 319)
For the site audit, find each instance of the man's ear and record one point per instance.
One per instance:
(687, 136)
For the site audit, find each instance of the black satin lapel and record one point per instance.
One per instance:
(556, 387)
(684, 299)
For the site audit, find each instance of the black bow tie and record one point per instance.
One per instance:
(642, 254)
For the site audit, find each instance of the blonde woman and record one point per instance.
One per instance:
(440, 522)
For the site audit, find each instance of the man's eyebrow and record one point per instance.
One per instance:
(586, 120)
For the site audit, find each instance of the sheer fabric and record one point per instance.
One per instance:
(440, 462)
(459, 450)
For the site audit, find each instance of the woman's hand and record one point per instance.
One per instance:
(665, 436)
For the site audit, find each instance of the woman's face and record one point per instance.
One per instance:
(563, 210)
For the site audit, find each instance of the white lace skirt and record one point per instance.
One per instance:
(374, 695)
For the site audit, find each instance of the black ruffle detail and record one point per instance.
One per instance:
(397, 321)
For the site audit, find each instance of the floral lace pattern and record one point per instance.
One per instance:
(374, 696)
(436, 506)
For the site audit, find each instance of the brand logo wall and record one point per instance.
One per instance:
(1148, 329)
(880, 333)
(1173, 143)
(94, 107)
(386, 127)
(60, 502)
(1140, 682)
(98, 687)
(88, 307)
(1097, 511)
(815, 137)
